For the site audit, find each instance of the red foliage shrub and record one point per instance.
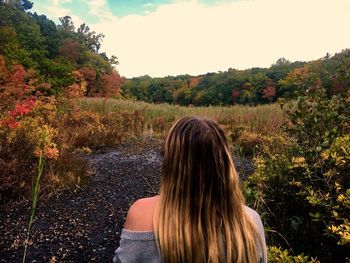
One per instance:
(18, 74)
(269, 93)
(17, 84)
(22, 108)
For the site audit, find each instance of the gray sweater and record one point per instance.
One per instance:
(140, 246)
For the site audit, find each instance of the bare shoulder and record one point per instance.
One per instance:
(140, 214)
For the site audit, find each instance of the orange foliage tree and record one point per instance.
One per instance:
(194, 82)
(70, 49)
(235, 96)
(111, 84)
(299, 81)
(89, 75)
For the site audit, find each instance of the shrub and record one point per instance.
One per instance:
(279, 255)
(303, 192)
(83, 128)
(252, 143)
(29, 130)
(25, 135)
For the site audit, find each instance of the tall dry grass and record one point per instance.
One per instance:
(157, 118)
(83, 125)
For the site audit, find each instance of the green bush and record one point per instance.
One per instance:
(303, 193)
(278, 255)
(248, 143)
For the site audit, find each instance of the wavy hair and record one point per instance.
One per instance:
(200, 214)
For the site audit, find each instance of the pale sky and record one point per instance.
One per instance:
(172, 37)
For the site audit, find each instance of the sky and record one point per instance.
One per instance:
(172, 37)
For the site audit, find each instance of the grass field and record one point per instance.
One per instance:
(265, 119)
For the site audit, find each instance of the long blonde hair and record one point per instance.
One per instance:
(200, 215)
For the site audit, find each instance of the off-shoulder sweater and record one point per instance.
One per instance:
(140, 246)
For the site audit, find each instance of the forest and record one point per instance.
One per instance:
(61, 56)
(284, 80)
(63, 103)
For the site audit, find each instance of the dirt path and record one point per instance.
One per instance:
(85, 226)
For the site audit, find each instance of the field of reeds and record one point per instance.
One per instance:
(157, 118)
(74, 127)
(249, 129)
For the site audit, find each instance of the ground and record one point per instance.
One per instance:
(85, 225)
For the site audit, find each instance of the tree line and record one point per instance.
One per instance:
(282, 81)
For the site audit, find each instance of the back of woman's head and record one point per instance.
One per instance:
(200, 215)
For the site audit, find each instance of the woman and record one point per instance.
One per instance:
(199, 215)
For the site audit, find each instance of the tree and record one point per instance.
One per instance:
(194, 82)
(281, 61)
(269, 93)
(67, 24)
(89, 75)
(298, 82)
(247, 97)
(257, 83)
(114, 60)
(23, 5)
(70, 49)
(111, 84)
(90, 39)
(341, 81)
(57, 72)
(182, 96)
(8, 38)
(235, 96)
(281, 68)
(50, 33)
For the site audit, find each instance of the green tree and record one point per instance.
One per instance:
(23, 5)
(52, 37)
(90, 39)
(67, 24)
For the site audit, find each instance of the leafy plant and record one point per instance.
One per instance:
(303, 191)
(279, 255)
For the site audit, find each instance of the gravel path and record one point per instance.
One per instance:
(85, 225)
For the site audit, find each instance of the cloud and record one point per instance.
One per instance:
(196, 38)
(148, 4)
(55, 9)
(99, 8)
